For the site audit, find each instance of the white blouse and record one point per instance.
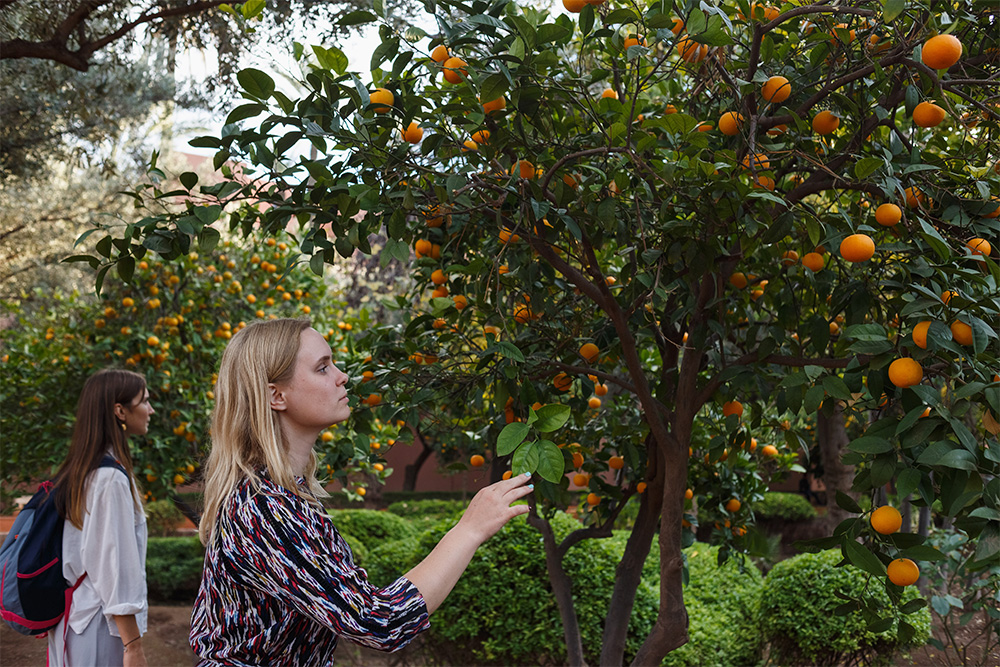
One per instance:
(111, 549)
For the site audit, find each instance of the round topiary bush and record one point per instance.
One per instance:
(371, 527)
(784, 505)
(722, 603)
(798, 621)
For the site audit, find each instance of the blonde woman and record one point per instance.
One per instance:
(280, 586)
(104, 537)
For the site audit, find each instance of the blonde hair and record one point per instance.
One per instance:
(246, 433)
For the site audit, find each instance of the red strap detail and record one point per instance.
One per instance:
(29, 575)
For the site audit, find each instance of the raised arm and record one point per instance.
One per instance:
(489, 510)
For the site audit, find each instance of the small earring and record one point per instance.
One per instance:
(123, 426)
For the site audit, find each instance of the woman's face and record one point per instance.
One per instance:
(136, 414)
(316, 396)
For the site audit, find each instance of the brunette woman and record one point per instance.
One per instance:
(104, 539)
(280, 585)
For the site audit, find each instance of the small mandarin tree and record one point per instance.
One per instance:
(696, 192)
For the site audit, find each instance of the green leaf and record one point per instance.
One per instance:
(245, 111)
(551, 465)
(865, 167)
(510, 351)
(907, 482)
(989, 543)
(862, 558)
(922, 552)
(847, 503)
(510, 437)
(621, 16)
(188, 179)
(331, 58)
(355, 18)
(256, 83)
(870, 445)
(552, 417)
(493, 87)
(891, 9)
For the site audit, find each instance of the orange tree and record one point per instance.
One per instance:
(696, 190)
(170, 322)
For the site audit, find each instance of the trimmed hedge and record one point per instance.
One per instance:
(797, 620)
(784, 505)
(722, 603)
(162, 517)
(173, 568)
(371, 527)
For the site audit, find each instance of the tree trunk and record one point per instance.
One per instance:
(628, 574)
(906, 510)
(670, 630)
(562, 589)
(831, 435)
(412, 470)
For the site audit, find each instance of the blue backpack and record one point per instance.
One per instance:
(34, 596)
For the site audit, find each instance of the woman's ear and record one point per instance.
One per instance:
(276, 399)
(119, 411)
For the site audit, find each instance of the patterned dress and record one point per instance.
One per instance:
(280, 587)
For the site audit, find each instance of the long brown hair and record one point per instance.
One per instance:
(96, 431)
(246, 433)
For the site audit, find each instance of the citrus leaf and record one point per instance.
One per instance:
(510, 437)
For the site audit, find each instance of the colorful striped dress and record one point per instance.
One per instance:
(280, 587)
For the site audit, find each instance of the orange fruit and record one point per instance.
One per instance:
(677, 27)
(440, 54)
(562, 382)
(577, 459)
(857, 248)
(961, 332)
(590, 352)
(481, 137)
(704, 127)
(460, 301)
(601, 389)
(616, 463)
(476, 460)
(469, 145)
(813, 261)
(947, 295)
(439, 277)
(378, 467)
(920, 334)
(738, 280)
(610, 92)
(574, 6)
(634, 41)
(361, 491)
(580, 479)
(593, 499)
(498, 104)
(412, 134)
(522, 313)
(373, 400)
(825, 122)
(886, 520)
(691, 51)
(732, 408)
(669, 109)
(941, 51)
(729, 123)
(928, 114)
(454, 70)
(381, 100)
(903, 572)
(733, 505)
(758, 160)
(905, 372)
(993, 214)
(770, 451)
(689, 494)
(152, 341)
(834, 328)
(524, 169)
(790, 258)
(507, 474)
(978, 246)
(914, 197)
(593, 402)
(888, 215)
(640, 487)
(776, 89)
(422, 247)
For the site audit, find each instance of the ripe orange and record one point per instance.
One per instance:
(669, 109)
(914, 197)
(373, 400)
(790, 258)
(813, 261)
(738, 280)
(562, 382)
(381, 100)
(920, 334)
(776, 89)
(498, 104)
(691, 51)
(834, 328)
(770, 451)
(947, 295)
(422, 247)
(476, 460)
(857, 248)
(574, 6)
(992, 214)
(361, 491)
(905, 372)
(593, 402)
(577, 460)
(454, 70)
(733, 505)
(927, 114)
(610, 92)
(729, 123)
(888, 215)
(524, 169)
(978, 246)
(941, 51)
(152, 341)
(580, 479)
(732, 408)
(590, 352)
(469, 145)
(678, 26)
(593, 499)
(825, 122)
(507, 474)
(903, 572)
(961, 332)
(616, 463)
(481, 137)
(601, 389)
(640, 487)
(412, 134)
(758, 160)
(440, 54)
(704, 127)
(886, 520)
(178, 480)
(460, 301)
(634, 41)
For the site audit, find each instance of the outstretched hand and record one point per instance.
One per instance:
(491, 508)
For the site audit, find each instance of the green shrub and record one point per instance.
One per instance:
(783, 505)
(173, 568)
(358, 548)
(798, 621)
(371, 527)
(722, 604)
(162, 517)
(502, 610)
(423, 514)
